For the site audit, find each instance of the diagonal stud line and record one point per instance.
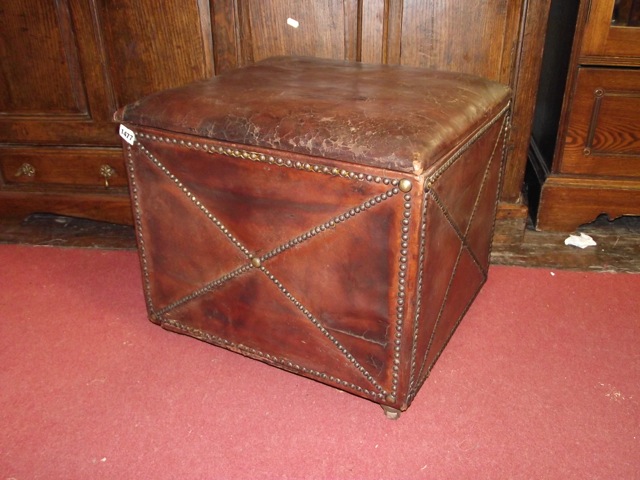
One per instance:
(421, 259)
(492, 158)
(256, 262)
(205, 289)
(463, 246)
(246, 350)
(133, 186)
(285, 246)
(322, 329)
(195, 200)
(330, 224)
(463, 236)
(346, 216)
(214, 283)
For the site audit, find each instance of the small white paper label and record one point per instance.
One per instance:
(127, 134)
(292, 22)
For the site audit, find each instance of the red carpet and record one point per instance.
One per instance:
(541, 380)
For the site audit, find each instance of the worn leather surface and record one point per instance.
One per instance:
(359, 284)
(281, 213)
(393, 117)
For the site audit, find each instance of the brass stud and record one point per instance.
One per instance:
(405, 185)
(255, 261)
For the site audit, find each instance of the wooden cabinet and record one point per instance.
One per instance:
(66, 66)
(595, 167)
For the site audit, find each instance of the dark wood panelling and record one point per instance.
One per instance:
(66, 67)
(101, 54)
(373, 20)
(45, 33)
(323, 29)
(569, 201)
(226, 34)
(602, 135)
(148, 53)
(475, 36)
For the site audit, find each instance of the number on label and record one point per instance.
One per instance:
(127, 134)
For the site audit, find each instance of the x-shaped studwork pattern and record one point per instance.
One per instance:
(390, 188)
(420, 368)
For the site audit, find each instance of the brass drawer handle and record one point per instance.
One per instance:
(26, 169)
(107, 171)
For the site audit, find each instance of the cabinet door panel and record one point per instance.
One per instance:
(68, 65)
(37, 42)
(55, 84)
(602, 135)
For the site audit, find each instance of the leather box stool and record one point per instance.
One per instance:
(329, 218)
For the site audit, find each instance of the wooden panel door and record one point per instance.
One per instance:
(48, 94)
(602, 137)
(66, 66)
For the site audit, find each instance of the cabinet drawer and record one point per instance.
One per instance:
(603, 132)
(63, 166)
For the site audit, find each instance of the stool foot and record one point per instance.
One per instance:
(390, 412)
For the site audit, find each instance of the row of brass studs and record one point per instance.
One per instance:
(138, 220)
(400, 305)
(197, 202)
(323, 330)
(403, 185)
(272, 160)
(331, 223)
(207, 288)
(501, 137)
(466, 146)
(416, 323)
(267, 356)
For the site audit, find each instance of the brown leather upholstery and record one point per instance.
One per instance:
(392, 117)
(331, 219)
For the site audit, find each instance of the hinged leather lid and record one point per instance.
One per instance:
(393, 117)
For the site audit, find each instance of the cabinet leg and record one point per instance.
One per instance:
(390, 412)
